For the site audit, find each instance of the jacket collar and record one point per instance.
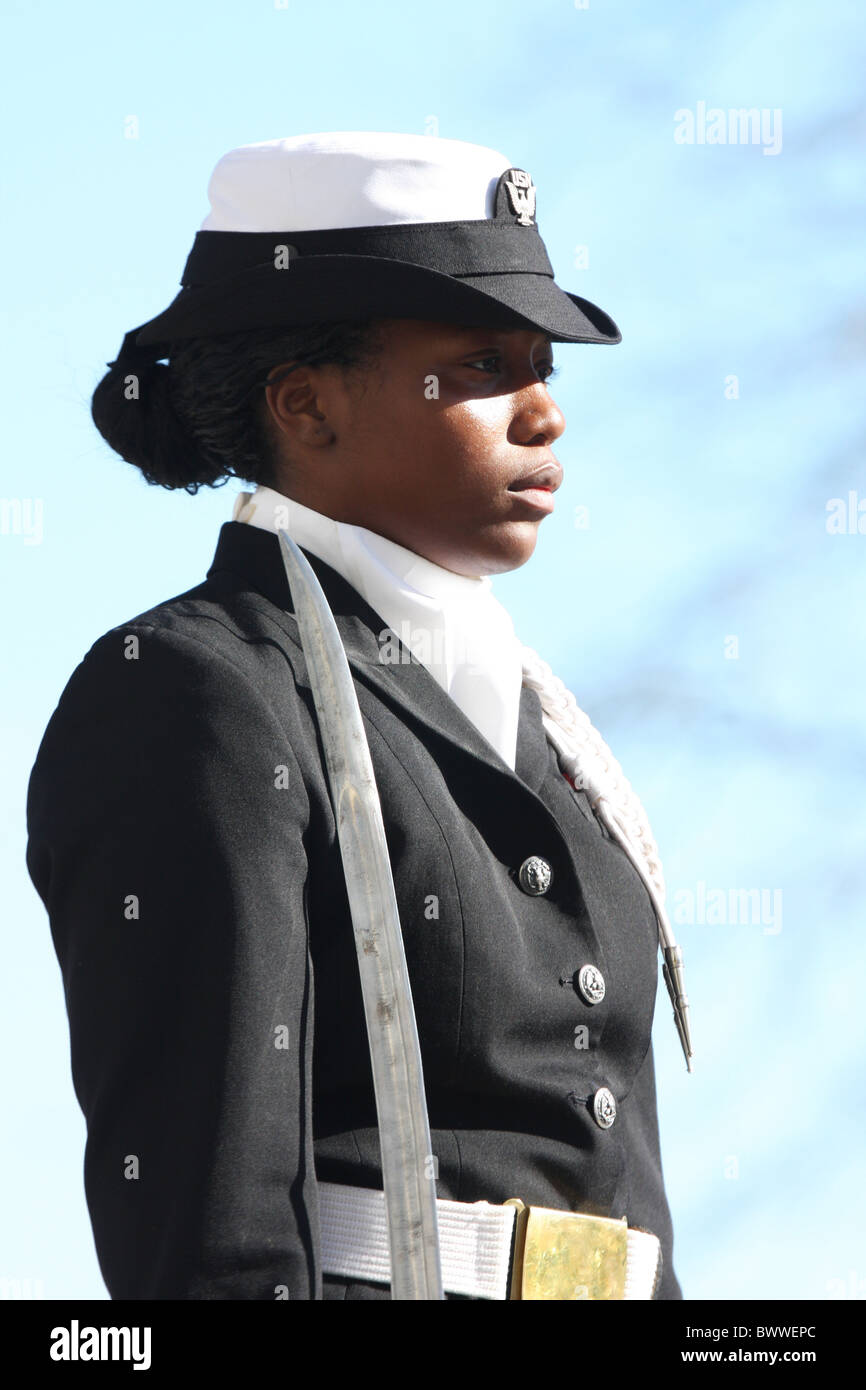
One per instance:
(253, 555)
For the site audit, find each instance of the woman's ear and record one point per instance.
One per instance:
(298, 405)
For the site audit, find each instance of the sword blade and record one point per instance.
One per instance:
(408, 1167)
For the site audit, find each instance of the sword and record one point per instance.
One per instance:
(408, 1167)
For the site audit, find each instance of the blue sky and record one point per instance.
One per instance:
(706, 448)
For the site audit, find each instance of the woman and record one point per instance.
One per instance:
(378, 373)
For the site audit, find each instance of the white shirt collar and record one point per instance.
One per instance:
(453, 624)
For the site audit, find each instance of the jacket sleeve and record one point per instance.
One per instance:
(166, 816)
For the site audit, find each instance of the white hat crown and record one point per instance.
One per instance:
(344, 179)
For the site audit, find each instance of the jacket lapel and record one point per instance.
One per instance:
(254, 555)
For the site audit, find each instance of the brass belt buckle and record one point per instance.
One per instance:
(567, 1255)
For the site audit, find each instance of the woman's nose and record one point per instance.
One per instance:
(537, 414)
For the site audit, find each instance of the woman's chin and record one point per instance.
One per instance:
(506, 551)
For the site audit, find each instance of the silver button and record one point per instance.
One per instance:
(535, 875)
(604, 1108)
(590, 984)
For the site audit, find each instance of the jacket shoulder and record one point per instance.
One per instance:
(219, 613)
(198, 662)
(206, 629)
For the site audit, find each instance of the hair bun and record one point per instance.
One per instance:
(133, 412)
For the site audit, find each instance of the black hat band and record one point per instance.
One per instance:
(483, 247)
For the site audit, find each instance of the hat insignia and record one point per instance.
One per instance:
(521, 194)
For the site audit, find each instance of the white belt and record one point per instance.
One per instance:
(475, 1242)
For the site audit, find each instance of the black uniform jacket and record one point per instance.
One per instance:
(182, 838)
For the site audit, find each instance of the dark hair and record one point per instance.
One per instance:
(198, 421)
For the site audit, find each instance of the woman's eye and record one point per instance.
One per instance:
(546, 370)
(496, 368)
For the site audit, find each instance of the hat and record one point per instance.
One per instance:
(350, 225)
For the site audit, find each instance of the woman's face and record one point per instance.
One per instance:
(444, 445)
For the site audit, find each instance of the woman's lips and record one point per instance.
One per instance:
(537, 488)
(539, 499)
